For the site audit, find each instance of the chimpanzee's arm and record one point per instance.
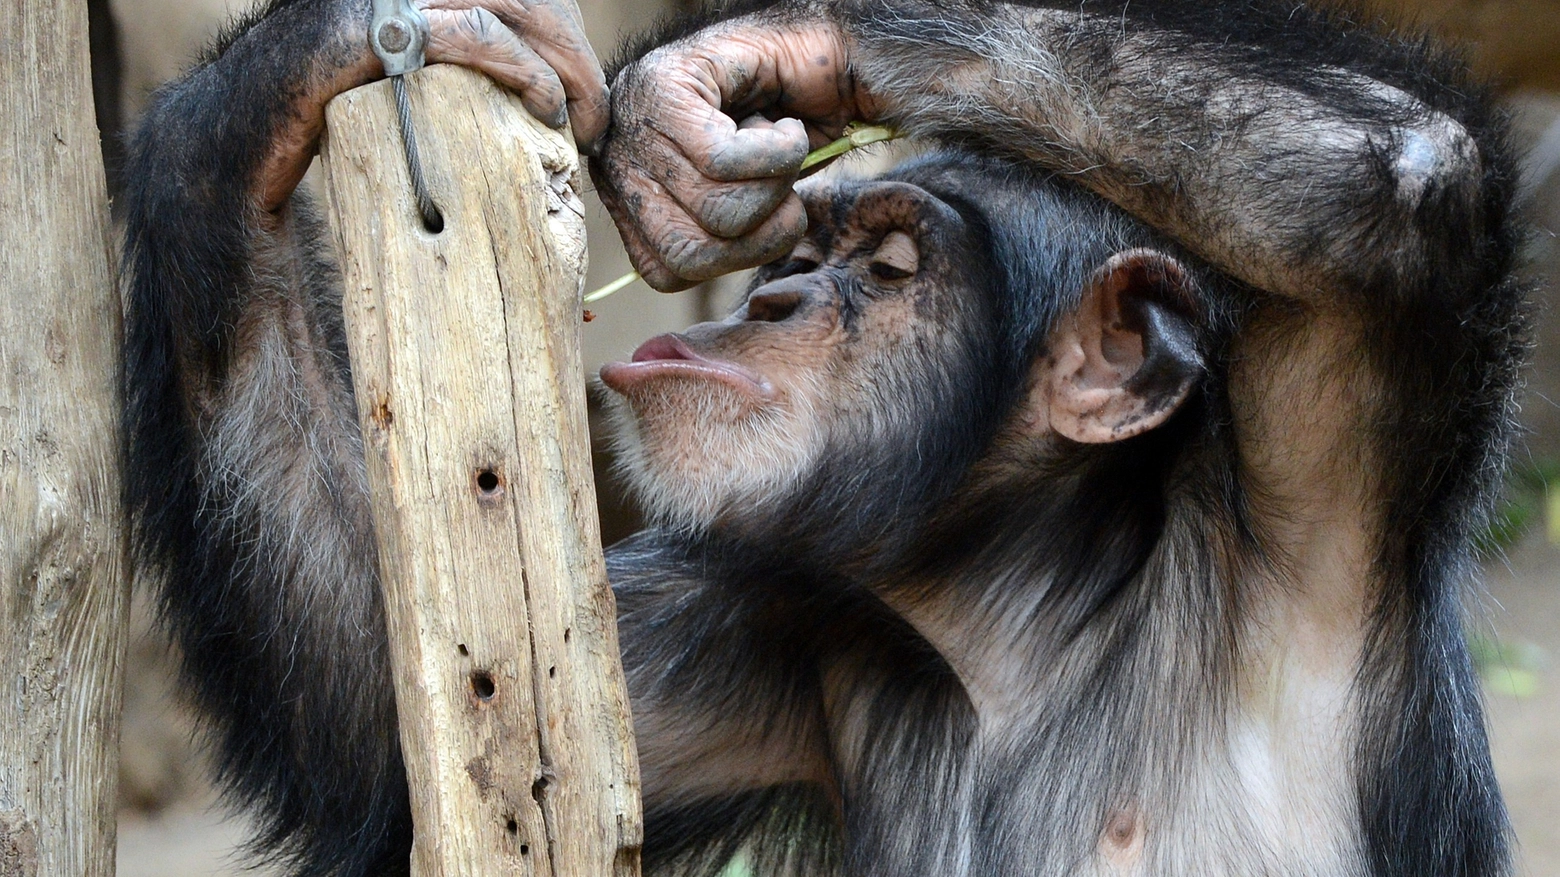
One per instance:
(1296, 155)
(244, 469)
(728, 715)
(1290, 172)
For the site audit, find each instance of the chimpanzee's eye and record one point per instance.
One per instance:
(794, 266)
(897, 257)
(885, 271)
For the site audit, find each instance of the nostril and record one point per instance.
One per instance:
(772, 307)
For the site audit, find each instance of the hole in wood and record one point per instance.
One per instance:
(539, 788)
(488, 481)
(524, 849)
(512, 826)
(566, 633)
(482, 685)
(551, 672)
(463, 650)
(432, 217)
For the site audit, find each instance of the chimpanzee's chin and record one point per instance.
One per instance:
(704, 457)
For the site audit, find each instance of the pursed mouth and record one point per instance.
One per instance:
(669, 356)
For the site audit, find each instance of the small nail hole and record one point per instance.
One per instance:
(482, 685)
(463, 649)
(566, 634)
(551, 672)
(524, 849)
(512, 827)
(487, 481)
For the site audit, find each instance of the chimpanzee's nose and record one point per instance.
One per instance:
(773, 303)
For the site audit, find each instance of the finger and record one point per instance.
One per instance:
(680, 107)
(668, 247)
(731, 210)
(649, 265)
(708, 259)
(644, 258)
(729, 177)
(817, 137)
(751, 153)
(477, 38)
(553, 29)
(798, 69)
(693, 254)
(724, 209)
(556, 30)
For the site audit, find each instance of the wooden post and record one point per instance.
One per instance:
(466, 365)
(64, 592)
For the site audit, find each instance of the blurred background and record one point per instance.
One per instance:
(171, 825)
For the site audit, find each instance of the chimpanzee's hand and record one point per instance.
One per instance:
(535, 47)
(696, 193)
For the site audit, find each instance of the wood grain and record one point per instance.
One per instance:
(64, 591)
(466, 366)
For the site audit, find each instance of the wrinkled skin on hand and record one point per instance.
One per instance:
(537, 48)
(708, 137)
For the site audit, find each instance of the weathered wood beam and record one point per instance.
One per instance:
(64, 588)
(466, 366)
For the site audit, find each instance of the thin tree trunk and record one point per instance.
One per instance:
(64, 590)
(466, 366)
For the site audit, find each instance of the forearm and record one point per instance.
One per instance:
(197, 202)
(727, 717)
(244, 471)
(1292, 176)
(725, 698)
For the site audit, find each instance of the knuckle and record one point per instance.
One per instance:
(479, 22)
(728, 212)
(681, 253)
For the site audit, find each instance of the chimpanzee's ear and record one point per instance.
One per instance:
(1127, 358)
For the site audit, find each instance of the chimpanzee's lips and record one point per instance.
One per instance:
(670, 356)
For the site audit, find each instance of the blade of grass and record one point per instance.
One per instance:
(612, 287)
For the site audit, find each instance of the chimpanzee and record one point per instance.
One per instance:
(1090, 495)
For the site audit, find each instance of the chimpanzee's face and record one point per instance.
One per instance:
(864, 375)
(833, 347)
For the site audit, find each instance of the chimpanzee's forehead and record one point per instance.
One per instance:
(946, 198)
(1034, 219)
(972, 185)
(867, 207)
(979, 185)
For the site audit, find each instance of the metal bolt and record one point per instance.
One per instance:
(394, 36)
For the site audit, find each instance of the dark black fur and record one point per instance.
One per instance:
(192, 249)
(794, 630)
